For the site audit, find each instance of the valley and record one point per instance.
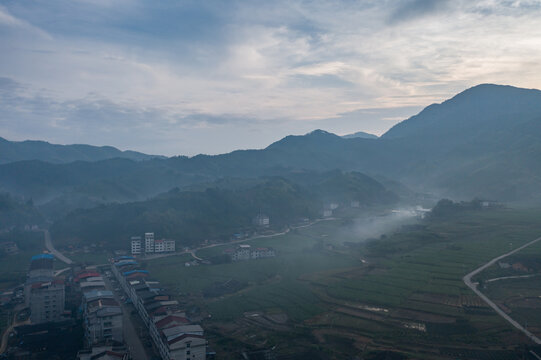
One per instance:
(318, 292)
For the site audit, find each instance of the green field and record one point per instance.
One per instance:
(13, 268)
(318, 282)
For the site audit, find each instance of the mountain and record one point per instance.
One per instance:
(11, 151)
(216, 212)
(361, 135)
(483, 142)
(15, 213)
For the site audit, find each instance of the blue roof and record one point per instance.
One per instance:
(125, 257)
(125, 262)
(135, 271)
(42, 256)
(97, 294)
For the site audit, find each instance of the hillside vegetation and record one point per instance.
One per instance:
(217, 213)
(481, 143)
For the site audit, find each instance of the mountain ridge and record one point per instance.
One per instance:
(12, 151)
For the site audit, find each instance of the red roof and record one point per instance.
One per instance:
(171, 320)
(86, 274)
(184, 336)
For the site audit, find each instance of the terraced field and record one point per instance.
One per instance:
(402, 292)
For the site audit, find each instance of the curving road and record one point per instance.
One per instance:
(468, 282)
(52, 250)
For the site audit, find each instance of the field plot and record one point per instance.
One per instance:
(13, 268)
(402, 292)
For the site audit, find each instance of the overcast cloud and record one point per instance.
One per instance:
(188, 77)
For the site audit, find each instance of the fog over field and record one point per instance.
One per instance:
(308, 180)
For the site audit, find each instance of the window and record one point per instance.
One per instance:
(187, 352)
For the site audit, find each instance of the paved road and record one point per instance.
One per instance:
(131, 337)
(468, 282)
(52, 250)
(193, 251)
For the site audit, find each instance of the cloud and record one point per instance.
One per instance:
(191, 76)
(412, 9)
(8, 20)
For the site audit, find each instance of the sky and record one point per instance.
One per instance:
(189, 77)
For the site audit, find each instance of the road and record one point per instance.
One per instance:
(193, 251)
(52, 250)
(14, 323)
(131, 336)
(468, 282)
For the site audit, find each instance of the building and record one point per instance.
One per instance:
(355, 203)
(245, 252)
(102, 318)
(261, 220)
(47, 301)
(327, 213)
(164, 246)
(104, 352)
(172, 333)
(149, 242)
(136, 247)
(44, 294)
(261, 253)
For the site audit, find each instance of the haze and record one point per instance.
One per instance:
(210, 77)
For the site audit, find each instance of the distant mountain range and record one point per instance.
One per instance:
(11, 151)
(483, 142)
(360, 135)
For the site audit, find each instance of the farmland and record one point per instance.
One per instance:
(331, 291)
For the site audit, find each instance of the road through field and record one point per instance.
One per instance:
(52, 250)
(468, 282)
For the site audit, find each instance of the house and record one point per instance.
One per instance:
(261, 220)
(149, 242)
(136, 245)
(164, 246)
(262, 252)
(103, 352)
(102, 320)
(245, 252)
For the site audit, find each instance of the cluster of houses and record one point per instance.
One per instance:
(151, 246)
(102, 314)
(171, 331)
(246, 252)
(44, 315)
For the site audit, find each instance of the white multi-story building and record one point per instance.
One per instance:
(261, 220)
(169, 245)
(136, 247)
(149, 242)
(164, 246)
(159, 246)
